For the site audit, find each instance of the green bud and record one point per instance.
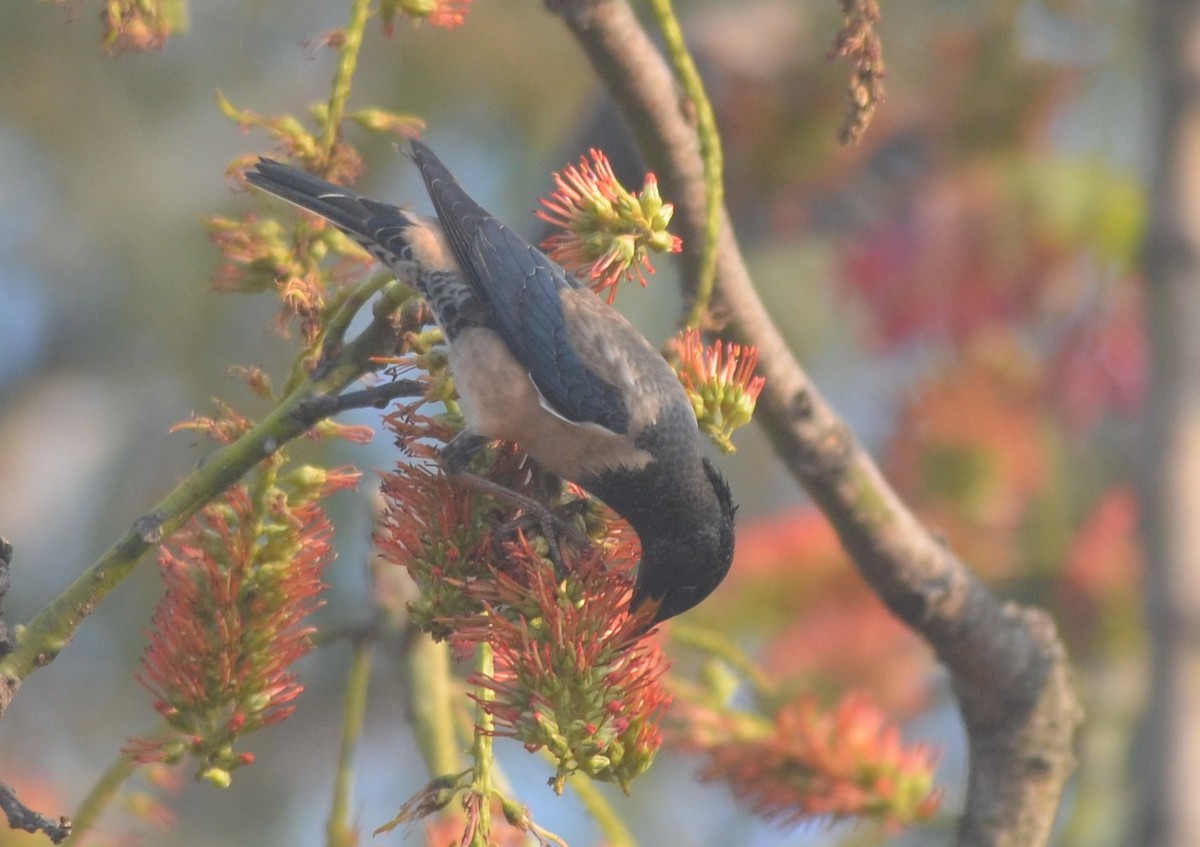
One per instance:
(595, 765)
(651, 201)
(219, 777)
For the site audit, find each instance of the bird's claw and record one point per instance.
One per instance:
(554, 528)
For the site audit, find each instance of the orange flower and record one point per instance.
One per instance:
(720, 382)
(441, 532)
(808, 763)
(608, 232)
(572, 673)
(447, 14)
(241, 579)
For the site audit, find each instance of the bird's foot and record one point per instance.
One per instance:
(555, 529)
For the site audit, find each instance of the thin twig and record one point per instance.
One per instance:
(339, 831)
(21, 816)
(105, 790)
(710, 150)
(352, 39)
(318, 407)
(431, 694)
(612, 827)
(481, 749)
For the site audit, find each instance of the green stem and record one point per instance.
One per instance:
(717, 645)
(431, 705)
(481, 750)
(339, 322)
(332, 335)
(339, 831)
(101, 795)
(352, 39)
(39, 642)
(616, 834)
(710, 151)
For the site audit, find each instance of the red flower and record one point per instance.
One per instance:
(241, 579)
(608, 232)
(573, 674)
(808, 763)
(447, 14)
(441, 532)
(721, 384)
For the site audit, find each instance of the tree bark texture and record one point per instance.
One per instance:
(1007, 664)
(1167, 755)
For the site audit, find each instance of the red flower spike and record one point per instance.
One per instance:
(809, 763)
(572, 673)
(438, 530)
(608, 232)
(720, 382)
(230, 626)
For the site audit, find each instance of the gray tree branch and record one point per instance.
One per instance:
(1007, 664)
(1168, 747)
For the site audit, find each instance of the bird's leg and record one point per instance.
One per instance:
(455, 458)
(542, 514)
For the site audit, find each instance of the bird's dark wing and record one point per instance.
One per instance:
(523, 291)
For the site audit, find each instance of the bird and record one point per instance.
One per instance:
(540, 360)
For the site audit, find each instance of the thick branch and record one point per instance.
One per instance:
(1007, 664)
(1167, 776)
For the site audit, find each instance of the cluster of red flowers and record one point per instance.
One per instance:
(813, 763)
(441, 532)
(241, 579)
(608, 232)
(573, 672)
(720, 382)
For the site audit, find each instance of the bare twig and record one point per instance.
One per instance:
(1007, 664)
(318, 407)
(21, 816)
(339, 829)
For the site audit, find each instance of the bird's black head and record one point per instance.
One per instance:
(683, 514)
(684, 562)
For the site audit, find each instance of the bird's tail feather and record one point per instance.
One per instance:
(379, 227)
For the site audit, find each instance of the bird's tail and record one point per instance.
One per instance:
(411, 246)
(379, 227)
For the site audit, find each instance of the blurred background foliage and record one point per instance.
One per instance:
(962, 284)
